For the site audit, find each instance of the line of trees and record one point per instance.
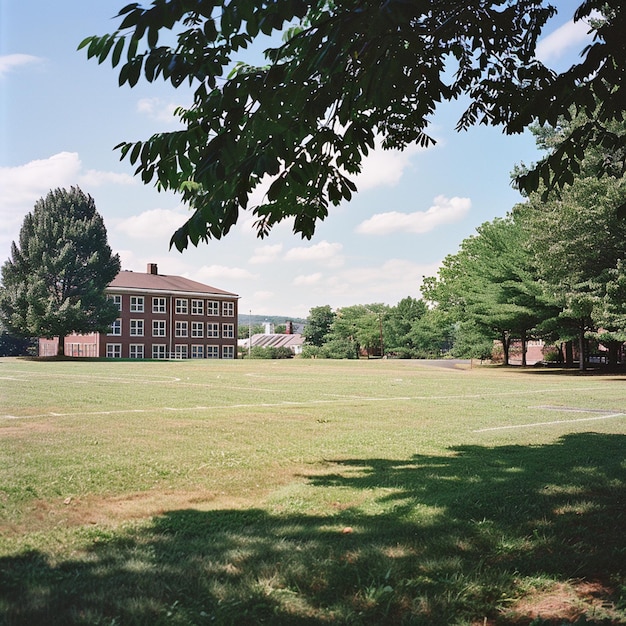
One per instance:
(407, 330)
(553, 269)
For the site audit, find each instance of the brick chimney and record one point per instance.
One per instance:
(288, 328)
(152, 268)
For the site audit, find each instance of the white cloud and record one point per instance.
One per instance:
(385, 168)
(158, 109)
(264, 296)
(152, 224)
(23, 185)
(307, 280)
(323, 252)
(9, 62)
(266, 254)
(95, 178)
(562, 40)
(210, 272)
(443, 211)
(390, 282)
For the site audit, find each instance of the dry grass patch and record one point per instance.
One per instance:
(567, 602)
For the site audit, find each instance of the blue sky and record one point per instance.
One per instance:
(61, 115)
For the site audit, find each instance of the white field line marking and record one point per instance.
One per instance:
(338, 400)
(472, 396)
(169, 408)
(75, 376)
(552, 423)
(165, 380)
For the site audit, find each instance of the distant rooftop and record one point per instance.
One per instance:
(153, 281)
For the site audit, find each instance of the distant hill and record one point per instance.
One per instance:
(277, 320)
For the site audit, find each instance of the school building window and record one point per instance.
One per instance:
(136, 304)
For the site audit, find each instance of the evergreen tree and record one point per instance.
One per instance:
(54, 283)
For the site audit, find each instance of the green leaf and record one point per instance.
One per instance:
(117, 52)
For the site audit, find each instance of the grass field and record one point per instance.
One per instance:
(310, 492)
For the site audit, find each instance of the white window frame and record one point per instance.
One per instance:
(212, 352)
(228, 352)
(136, 351)
(182, 306)
(213, 308)
(197, 351)
(228, 331)
(137, 304)
(136, 328)
(181, 351)
(228, 309)
(159, 351)
(197, 307)
(181, 329)
(159, 329)
(197, 329)
(114, 350)
(212, 330)
(159, 305)
(115, 329)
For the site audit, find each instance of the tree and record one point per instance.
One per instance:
(54, 283)
(347, 75)
(360, 326)
(398, 324)
(579, 240)
(492, 283)
(431, 335)
(245, 330)
(318, 325)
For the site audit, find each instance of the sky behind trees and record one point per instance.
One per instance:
(61, 115)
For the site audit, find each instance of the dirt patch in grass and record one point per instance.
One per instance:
(565, 602)
(23, 427)
(113, 510)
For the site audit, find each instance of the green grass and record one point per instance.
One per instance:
(310, 492)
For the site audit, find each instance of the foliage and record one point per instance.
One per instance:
(431, 335)
(318, 325)
(567, 231)
(361, 327)
(347, 76)
(10, 345)
(270, 352)
(245, 330)
(54, 283)
(492, 283)
(398, 323)
(471, 342)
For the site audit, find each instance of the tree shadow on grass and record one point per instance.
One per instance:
(449, 539)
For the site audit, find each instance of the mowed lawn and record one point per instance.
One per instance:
(310, 492)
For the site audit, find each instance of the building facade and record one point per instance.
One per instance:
(160, 317)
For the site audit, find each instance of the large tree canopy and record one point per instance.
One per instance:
(54, 283)
(347, 74)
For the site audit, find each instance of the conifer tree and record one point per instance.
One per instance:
(54, 282)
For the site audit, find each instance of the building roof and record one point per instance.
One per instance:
(275, 340)
(162, 283)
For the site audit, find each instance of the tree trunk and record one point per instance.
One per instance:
(569, 354)
(582, 366)
(61, 346)
(524, 341)
(505, 347)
